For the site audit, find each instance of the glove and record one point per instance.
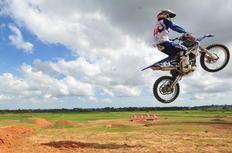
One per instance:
(188, 37)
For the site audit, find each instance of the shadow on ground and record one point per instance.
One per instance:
(74, 144)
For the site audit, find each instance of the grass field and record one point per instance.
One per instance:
(175, 131)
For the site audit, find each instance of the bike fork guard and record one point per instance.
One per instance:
(178, 78)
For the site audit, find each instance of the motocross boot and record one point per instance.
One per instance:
(175, 60)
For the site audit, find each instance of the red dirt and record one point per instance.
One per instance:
(141, 118)
(114, 125)
(228, 118)
(223, 126)
(43, 122)
(11, 135)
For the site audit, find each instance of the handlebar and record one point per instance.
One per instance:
(184, 37)
(180, 37)
(189, 35)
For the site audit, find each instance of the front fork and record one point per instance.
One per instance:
(209, 55)
(177, 79)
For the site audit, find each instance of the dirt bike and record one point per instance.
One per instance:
(212, 59)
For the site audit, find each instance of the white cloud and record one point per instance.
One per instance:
(17, 39)
(67, 86)
(113, 76)
(99, 100)
(36, 85)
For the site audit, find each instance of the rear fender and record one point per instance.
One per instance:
(156, 66)
(153, 67)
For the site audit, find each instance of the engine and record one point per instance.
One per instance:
(185, 65)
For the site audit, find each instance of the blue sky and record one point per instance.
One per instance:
(60, 54)
(11, 56)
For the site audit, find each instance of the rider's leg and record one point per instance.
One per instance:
(182, 50)
(179, 49)
(175, 51)
(167, 48)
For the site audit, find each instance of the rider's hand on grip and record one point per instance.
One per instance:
(188, 38)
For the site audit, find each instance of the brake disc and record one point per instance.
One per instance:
(165, 89)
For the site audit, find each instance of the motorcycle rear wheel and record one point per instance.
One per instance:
(160, 89)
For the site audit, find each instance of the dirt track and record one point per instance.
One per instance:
(74, 142)
(166, 135)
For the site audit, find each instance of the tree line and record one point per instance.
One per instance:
(122, 109)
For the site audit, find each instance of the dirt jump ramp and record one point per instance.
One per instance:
(11, 135)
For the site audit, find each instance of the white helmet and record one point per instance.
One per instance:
(166, 14)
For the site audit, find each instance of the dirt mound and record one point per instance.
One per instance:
(116, 125)
(10, 135)
(62, 123)
(42, 122)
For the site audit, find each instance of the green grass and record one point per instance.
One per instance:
(80, 116)
(168, 120)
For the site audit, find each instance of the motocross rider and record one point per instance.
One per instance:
(161, 36)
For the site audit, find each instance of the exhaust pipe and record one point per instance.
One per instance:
(168, 68)
(155, 68)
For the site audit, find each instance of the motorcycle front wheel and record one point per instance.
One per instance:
(221, 58)
(162, 90)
